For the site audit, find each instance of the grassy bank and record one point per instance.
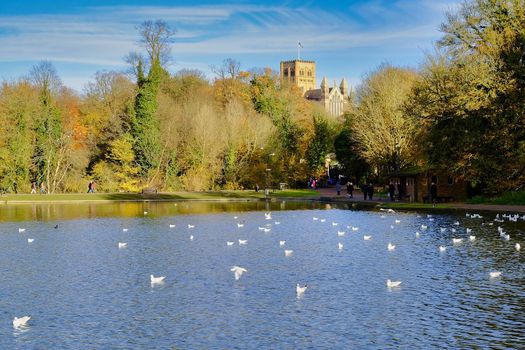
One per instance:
(508, 198)
(173, 196)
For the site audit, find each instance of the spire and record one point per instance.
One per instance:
(344, 87)
(324, 85)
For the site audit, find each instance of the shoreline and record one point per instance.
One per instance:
(248, 196)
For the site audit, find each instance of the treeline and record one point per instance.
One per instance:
(151, 128)
(462, 111)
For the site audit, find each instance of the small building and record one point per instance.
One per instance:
(415, 185)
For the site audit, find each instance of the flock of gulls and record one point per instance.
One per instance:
(238, 271)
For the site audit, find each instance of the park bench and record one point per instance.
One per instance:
(149, 190)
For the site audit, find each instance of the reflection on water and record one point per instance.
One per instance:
(67, 211)
(83, 292)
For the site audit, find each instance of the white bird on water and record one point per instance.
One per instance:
(457, 240)
(472, 238)
(340, 246)
(267, 230)
(191, 237)
(21, 230)
(315, 218)
(334, 224)
(417, 234)
(518, 247)
(288, 252)
(505, 237)
(229, 243)
(122, 245)
(391, 246)
(30, 240)
(145, 213)
(268, 216)
(243, 241)
(191, 226)
(322, 220)
(238, 271)
(172, 225)
(340, 233)
(235, 217)
(397, 221)
(156, 280)
(281, 243)
(367, 238)
(442, 248)
(124, 230)
(240, 224)
(355, 228)
(469, 230)
(495, 274)
(392, 284)
(277, 222)
(300, 290)
(456, 223)
(424, 227)
(19, 322)
(442, 229)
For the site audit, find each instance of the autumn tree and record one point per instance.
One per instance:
(382, 128)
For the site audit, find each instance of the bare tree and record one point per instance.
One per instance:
(156, 37)
(45, 76)
(229, 69)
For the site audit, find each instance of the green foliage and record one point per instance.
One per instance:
(471, 96)
(144, 124)
(347, 154)
(320, 144)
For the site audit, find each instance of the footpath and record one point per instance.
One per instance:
(331, 194)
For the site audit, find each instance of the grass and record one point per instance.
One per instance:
(171, 196)
(512, 198)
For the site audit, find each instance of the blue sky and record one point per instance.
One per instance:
(345, 38)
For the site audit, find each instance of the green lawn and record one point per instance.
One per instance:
(209, 195)
(512, 198)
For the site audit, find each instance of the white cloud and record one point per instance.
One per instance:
(102, 36)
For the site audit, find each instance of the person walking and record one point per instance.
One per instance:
(42, 187)
(364, 188)
(90, 187)
(338, 188)
(370, 191)
(391, 191)
(433, 193)
(33, 187)
(350, 189)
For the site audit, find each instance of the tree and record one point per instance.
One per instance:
(470, 99)
(145, 129)
(347, 153)
(320, 144)
(381, 127)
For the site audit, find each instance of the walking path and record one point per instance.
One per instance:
(358, 197)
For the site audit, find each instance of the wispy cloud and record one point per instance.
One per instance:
(102, 36)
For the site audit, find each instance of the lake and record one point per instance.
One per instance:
(83, 292)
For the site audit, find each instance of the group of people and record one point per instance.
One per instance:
(42, 187)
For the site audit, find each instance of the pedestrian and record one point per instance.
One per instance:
(338, 188)
(33, 187)
(370, 191)
(364, 188)
(350, 189)
(94, 185)
(433, 193)
(391, 191)
(42, 187)
(314, 183)
(90, 187)
(256, 187)
(15, 187)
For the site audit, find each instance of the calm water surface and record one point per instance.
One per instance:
(82, 292)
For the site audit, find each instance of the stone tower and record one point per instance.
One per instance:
(299, 72)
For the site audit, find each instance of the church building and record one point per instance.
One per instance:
(302, 74)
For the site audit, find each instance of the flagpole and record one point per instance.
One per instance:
(298, 51)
